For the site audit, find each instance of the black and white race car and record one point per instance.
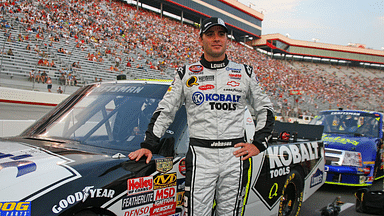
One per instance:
(73, 161)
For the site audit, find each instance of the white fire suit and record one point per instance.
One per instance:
(215, 95)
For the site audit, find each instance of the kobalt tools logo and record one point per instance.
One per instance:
(280, 157)
(88, 192)
(140, 185)
(219, 101)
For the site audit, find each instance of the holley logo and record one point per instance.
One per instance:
(140, 185)
(206, 87)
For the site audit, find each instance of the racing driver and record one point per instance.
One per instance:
(215, 91)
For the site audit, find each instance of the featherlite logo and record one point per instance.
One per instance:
(339, 140)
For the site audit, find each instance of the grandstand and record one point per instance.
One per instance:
(103, 36)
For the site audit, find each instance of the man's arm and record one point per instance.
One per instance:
(162, 118)
(265, 118)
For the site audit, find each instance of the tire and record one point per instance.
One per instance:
(292, 194)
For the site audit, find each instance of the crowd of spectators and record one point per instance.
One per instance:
(115, 28)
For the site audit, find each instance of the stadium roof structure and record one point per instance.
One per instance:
(277, 43)
(244, 23)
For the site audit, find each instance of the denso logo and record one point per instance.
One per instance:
(145, 210)
(140, 185)
(280, 157)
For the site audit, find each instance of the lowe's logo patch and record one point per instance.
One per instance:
(316, 178)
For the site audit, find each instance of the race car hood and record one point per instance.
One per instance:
(366, 145)
(46, 164)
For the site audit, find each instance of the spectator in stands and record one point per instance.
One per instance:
(28, 47)
(52, 64)
(31, 75)
(49, 84)
(62, 79)
(59, 90)
(129, 64)
(69, 79)
(38, 77)
(43, 77)
(40, 62)
(10, 52)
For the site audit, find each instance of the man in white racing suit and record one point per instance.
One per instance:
(215, 91)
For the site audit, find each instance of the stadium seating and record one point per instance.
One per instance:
(117, 30)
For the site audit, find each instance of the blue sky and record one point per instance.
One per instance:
(335, 22)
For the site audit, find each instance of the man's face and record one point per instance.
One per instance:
(214, 43)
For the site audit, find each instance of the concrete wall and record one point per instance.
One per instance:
(11, 95)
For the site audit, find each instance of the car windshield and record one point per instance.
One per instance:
(110, 115)
(352, 123)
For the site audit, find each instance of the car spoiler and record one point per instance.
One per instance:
(285, 131)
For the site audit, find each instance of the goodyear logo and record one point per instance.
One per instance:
(15, 208)
(339, 140)
(165, 180)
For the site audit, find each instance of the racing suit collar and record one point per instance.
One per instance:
(214, 64)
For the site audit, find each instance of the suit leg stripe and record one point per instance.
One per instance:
(193, 176)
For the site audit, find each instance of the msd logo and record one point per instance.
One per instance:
(140, 185)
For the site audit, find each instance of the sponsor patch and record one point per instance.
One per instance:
(206, 87)
(191, 81)
(235, 76)
(196, 68)
(234, 70)
(139, 211)
(165, 180)
(182, 168)
(140, 185)
(87, 192)
(19, 208)
(317, 178)
(137, 200)
(206, 78)
(233, 83)
(163, 165)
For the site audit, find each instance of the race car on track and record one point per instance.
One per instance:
(73, 161)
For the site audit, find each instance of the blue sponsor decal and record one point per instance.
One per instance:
(18, 208)
(23, 166)
(198, 98)
(317, 178)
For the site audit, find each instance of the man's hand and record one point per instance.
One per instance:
(247, 150)
(136, 155)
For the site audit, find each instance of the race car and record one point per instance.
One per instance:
(73, 161)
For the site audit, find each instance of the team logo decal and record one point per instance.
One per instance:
(164, 165)
(140, 185)
(233, 83)
(164, 181)
(196, 68)
(206, 78)
(235, 76)
(198, 98)
(206, 87)
(316, 178)
(182, 168)
(192, 81)
(15, 208)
